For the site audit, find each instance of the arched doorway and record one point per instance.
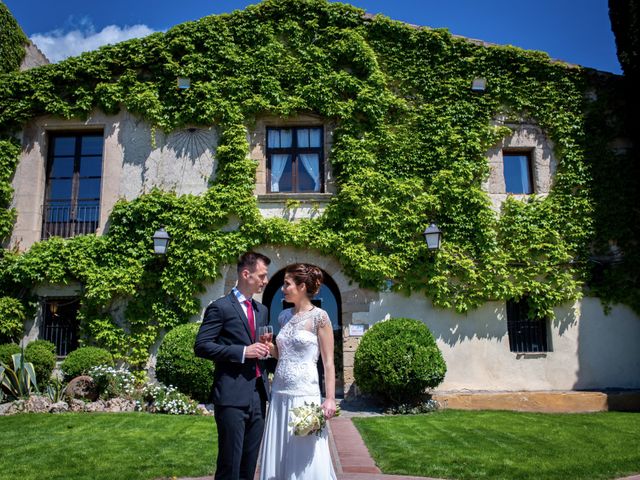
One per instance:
(328, 298)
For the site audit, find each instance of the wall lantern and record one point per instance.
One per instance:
(614, 256)
(433, 236)
(161, 241)
(184, 83)
(479, 85)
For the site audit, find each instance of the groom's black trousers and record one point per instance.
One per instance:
(239, 435)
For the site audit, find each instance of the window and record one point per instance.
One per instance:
(74, 174)
(525, 334)
(517, 172)
(60, 324)
(295, 160)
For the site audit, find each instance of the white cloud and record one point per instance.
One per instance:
(58, 44)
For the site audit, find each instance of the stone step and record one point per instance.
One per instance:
(542, 401)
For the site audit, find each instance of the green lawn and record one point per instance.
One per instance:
(128, 446)
(447, 444)
(505, 445)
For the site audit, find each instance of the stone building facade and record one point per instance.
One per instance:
(583, 348)
(587, 349)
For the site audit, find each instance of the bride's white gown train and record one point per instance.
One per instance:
(283, 455)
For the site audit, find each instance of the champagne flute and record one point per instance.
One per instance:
(265, 334)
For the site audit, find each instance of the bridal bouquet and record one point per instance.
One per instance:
(308, 419)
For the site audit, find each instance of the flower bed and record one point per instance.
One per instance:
(107, 389)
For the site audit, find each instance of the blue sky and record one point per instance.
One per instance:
(576, 32)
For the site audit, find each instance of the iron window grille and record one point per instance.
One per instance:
(526, 334)
(60, 323)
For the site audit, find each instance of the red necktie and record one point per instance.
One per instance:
(252, 328)
(252, 322)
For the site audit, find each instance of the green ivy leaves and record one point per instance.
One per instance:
(409, 147)
(12, 41)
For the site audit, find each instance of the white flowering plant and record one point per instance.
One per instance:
(309, 419)
(152, 398)
(159, 398)
(112, 382)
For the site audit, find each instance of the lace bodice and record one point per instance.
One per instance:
(298, 350)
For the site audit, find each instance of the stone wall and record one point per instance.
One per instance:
(33, 57)
(526, 137)
(136, 158)
(588, 349)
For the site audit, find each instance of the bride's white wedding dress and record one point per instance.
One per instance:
(285, 456)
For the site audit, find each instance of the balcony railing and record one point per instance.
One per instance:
(65, 220)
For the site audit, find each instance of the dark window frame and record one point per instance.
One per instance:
(520, 152)
(63, 332)
(68, 217)
(526, 334)
(294, 151)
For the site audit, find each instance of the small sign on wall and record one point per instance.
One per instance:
(357, 330)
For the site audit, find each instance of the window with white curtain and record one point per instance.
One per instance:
(295, 160)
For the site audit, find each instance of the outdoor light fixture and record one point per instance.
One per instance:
(184, 82)
(614, 256)
(161, 241)
(479, 85)
(433, 236)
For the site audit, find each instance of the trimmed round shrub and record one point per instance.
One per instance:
(80, 361)
(398, 360)
(6, 351)
(177, 365)
(41, 354)
(40, 343)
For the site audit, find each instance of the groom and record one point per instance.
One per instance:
(240, 388)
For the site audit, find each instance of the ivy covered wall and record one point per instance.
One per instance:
(12, 41)
(409, 147)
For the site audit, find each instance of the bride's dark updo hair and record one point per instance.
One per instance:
(308, 274)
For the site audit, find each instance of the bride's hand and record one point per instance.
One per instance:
(329, 408)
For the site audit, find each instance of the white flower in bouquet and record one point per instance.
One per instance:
(307, 419)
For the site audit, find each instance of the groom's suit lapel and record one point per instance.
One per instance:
(241, 315)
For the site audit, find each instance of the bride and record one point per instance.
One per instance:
(306, 331)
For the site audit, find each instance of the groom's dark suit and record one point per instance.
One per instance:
(239, 396)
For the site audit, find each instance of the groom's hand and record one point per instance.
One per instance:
(256, 350)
